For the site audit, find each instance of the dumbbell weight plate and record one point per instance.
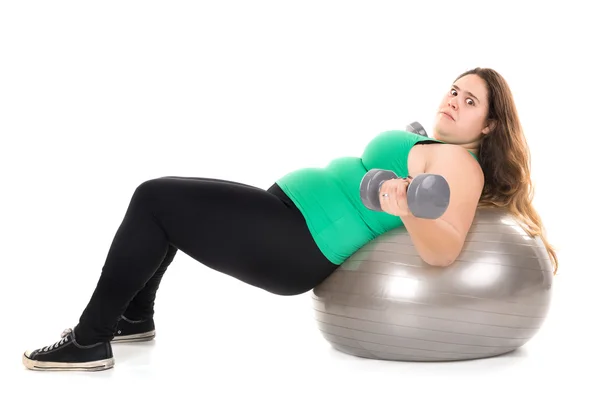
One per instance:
(417, 128)
(370, 185)
(428, 196)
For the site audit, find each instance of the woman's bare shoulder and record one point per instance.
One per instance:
(445, 156)
(452, 156)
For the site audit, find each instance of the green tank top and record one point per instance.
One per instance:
(329, 197)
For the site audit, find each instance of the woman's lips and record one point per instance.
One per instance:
(447, 115)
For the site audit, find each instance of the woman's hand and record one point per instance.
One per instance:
(392, 196)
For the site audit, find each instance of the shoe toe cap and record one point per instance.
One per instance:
(31, 353)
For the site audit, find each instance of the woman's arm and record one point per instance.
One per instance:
(440, 241)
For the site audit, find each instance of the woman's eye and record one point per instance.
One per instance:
(470, 101)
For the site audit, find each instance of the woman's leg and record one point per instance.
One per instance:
(248, 233)
(141, 306)
(240, 230)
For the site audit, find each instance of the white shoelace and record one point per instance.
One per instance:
(64, 339)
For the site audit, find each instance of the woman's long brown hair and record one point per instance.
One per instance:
(505, 159)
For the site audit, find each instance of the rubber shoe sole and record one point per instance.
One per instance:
(137, 337)
(92, 366)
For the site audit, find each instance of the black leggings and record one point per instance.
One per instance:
(257, 236)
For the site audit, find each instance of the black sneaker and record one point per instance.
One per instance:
(68, 355)
(134, 331)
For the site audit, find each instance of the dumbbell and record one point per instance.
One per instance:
(417, 128)
(428, 195)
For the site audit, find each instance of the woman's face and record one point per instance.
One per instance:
(461, 117)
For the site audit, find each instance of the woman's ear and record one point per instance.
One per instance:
(490, 127)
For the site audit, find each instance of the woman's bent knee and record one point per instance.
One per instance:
(149, 188)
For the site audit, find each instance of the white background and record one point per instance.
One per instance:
(97, 97)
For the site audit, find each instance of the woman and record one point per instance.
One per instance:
(289, 238)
